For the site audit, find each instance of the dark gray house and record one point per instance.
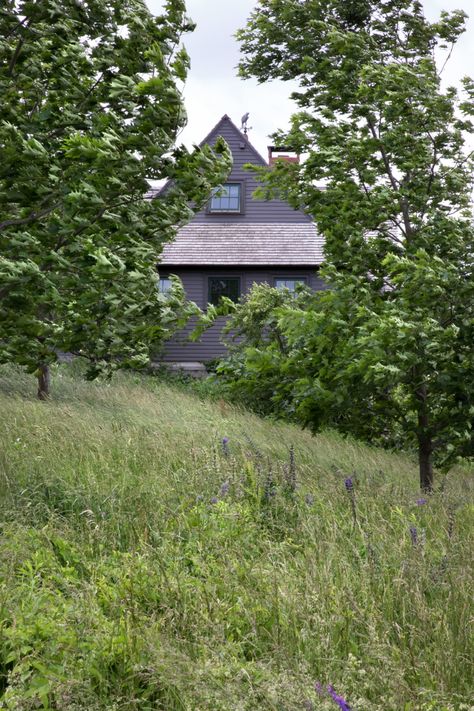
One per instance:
(235, 242)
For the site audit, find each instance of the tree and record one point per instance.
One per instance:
(388, 351)
(91, 109)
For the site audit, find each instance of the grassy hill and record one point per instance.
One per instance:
(145, 563)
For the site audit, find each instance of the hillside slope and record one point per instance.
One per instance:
(159, 551)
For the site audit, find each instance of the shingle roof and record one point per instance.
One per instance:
(245, 244)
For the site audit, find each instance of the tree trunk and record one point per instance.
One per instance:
(425, 442)
(44, 381)
(425, 449)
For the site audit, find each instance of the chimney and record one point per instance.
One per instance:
(276, 153)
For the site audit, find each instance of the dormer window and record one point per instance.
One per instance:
(227, 198)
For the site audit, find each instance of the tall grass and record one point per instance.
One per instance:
(146, 564)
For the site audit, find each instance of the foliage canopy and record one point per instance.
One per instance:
(388, 181)
(91, 110)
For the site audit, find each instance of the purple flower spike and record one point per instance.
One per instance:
(225, 446)
(319, 688)
(349, 484)
(414, 535)
(214, 500)
(421, 502)
(342, 703)
(224, 490)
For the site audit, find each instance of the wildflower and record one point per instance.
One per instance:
(309, 498)
(292, 470)
(319, 688)
(414, 535)
(224, 490)
(421, 502)
(214, 500)
(349, 484)
(342, 703)
(269, 489)
(225, 446)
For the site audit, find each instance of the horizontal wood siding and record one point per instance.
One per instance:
(255, 210)
(195, 282)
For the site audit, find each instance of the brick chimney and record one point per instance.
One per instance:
(276, 153)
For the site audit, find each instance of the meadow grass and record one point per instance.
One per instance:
(146, 564)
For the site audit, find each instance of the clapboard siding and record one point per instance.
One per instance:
(195, 282)
(243, 152)
(268, 239)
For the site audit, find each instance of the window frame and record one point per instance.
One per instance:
(240, 211)
(222, 277)
(296, 279)
(164, 278)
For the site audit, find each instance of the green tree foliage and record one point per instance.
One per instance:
(388, 181)
(91, 109)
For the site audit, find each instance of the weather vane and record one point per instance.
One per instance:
(244, 127)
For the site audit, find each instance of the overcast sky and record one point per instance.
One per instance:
(213, 88)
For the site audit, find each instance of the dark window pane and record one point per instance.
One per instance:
(223, 286)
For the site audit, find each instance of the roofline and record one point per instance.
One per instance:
(242, 136)
(206, 139)
(265, 265)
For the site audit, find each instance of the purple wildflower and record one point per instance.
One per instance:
(224, 490)
(414, 535)
(319, 688)
(349, 484)
(214, 500)
(225, 446)
(342, 703)
(421, 502)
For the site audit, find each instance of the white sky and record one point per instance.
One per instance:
(213, 88)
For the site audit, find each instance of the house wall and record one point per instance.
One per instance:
(255, 211)
(195, 281)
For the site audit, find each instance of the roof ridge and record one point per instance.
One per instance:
(243, 137)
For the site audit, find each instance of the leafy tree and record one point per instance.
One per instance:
(388, 180)
(91, 109)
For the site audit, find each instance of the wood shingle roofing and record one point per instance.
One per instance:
(200, 244)
(264, 232)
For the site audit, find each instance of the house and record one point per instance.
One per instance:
(235, 242)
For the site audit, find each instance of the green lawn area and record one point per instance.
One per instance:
(145, 564)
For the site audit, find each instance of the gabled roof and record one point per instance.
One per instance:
(245, 245)
(216, 132)
(266, 232)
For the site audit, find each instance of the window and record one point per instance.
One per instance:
(281, 283)
(164, 285)
(227, 198)
(223, 286)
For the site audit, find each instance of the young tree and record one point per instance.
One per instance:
(388, 181)
(91, 109)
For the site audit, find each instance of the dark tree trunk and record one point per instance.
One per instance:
(425, 444)
(425, 450)
(44, 381)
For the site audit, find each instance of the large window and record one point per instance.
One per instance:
(285, 283)
(223, 286)
(227, 198)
